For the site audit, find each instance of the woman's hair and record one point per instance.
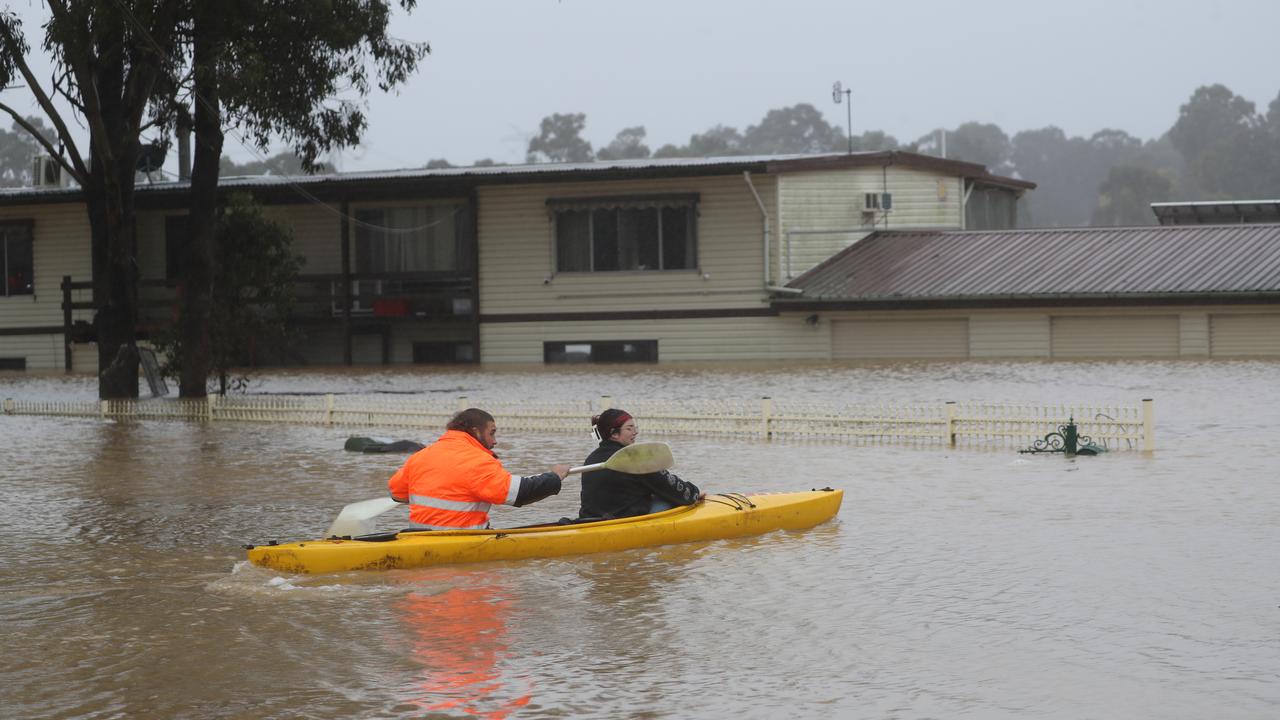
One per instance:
(471, 420)
(607, 423)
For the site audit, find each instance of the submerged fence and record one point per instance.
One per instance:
(1116, 427)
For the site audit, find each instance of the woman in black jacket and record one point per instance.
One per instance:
(613, 494)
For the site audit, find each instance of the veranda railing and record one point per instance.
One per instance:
(1117, 427)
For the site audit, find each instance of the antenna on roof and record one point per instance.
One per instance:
(836, 91)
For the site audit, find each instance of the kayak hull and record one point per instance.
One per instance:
(716, 517)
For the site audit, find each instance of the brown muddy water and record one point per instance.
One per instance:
(953, 583)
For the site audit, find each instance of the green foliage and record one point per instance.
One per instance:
(560, 140)
(330, 49)
(1125, 196)
(1068, 171)
(16, 150)
(284, 163)
(627, 145)
(438, 163)
(792, 130)
(719, 141)
(985, 144)
(1231, 151)
(1212, 115)
(874, 141)
(253, 293)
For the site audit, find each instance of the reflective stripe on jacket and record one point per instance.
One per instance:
(453, 483)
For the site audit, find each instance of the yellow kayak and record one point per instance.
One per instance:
(718, 516)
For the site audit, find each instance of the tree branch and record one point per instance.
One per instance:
(44, 142)
(88, 91)
(79, 171)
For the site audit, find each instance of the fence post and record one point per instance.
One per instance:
(606, 402)
(328, 409)
(462, 403)
(66, 323)
(103, 408)
(210, 402)
(1148, 426)
(8, 406)
(949, 433)
(766, 417)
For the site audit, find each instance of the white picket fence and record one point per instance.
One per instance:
(1117, 427)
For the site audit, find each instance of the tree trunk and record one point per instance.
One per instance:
(109, 199)
(198, 278)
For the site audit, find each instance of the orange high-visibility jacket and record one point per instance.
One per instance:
(452, 483)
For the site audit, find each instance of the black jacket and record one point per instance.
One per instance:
(613, 494)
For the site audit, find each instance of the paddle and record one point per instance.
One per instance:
(356, 518)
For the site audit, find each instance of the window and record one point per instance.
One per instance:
(600, 351)
(16, 265)
(422, 238)
(636, 233)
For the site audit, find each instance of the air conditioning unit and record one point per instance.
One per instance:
(46, 172)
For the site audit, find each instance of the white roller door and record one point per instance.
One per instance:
(871, 339)
(1133, 336)
(1244, 335)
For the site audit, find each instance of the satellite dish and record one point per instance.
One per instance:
(836, 91)
(151, 157)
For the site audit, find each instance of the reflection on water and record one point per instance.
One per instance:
(952, 583)
(457, 634)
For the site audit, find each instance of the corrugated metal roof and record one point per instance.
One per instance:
(554, 172)
(1050, 263)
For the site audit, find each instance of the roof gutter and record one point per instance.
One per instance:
(765, 231)
(960, 302)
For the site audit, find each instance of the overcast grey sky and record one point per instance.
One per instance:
(499, 66)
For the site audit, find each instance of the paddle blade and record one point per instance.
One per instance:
(357, 518)
(641, 458)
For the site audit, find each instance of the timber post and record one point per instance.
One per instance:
(1148, 425)
(66, 323)
(766, 417)
(949, 432)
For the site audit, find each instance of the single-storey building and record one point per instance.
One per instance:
(641, 260)
(1158, 291)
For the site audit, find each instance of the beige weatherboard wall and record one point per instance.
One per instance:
(724, 339)
(822, 212)
(517, 246)
(1061, 333)
(60, 246)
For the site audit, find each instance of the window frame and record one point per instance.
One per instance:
(23, 225)
(592, 206)
(452, 210)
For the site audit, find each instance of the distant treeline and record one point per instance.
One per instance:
(1220, 147)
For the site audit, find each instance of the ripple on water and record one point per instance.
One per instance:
(954, 582)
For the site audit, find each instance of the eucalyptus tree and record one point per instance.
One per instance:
(290, 70)
(559, 139)
(286, 69)
(109, 58)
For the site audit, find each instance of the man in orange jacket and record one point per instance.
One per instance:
(452, 483)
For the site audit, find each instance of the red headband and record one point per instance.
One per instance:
(617, 422)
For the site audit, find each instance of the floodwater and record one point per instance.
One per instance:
(953, 583)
